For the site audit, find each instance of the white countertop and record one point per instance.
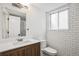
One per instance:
(14, 44)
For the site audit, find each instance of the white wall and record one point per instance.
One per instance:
(45, 7)
(35, 22)
(1, 23)
(67, 42)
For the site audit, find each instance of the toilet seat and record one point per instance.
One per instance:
(49, 51)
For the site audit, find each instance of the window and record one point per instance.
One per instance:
(59, 20)
(54, 21)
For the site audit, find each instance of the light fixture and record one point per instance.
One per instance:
(20, 5)
(25, 4)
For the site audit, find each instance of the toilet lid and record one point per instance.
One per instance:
(49, 50)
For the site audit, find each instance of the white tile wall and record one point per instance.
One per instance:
(67, 42)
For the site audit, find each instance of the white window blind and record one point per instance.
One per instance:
(54, 21)
(59, 20)
(63, 19)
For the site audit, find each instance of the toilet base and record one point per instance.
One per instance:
(45, 54)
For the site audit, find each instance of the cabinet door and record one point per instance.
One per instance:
(36, 49)
(21, 52)
(28, 51)
(33, 50)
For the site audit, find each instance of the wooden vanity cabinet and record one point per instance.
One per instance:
(29, 50)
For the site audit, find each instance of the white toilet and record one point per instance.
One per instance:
(47, 51)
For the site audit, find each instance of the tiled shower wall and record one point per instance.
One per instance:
(67, 41)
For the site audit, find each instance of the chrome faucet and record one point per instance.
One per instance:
(19, 39)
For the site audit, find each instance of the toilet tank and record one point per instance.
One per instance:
(43, 44)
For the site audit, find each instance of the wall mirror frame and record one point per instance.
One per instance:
(5, 22)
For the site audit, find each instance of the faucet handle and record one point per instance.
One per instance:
(19, 34)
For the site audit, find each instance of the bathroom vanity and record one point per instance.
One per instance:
(14, 27)
(27, 48)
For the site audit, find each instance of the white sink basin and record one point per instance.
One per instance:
(21, 42)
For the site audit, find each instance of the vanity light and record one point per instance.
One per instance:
(25, 4)
(20, 5)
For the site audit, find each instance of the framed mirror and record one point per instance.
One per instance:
(14, 22)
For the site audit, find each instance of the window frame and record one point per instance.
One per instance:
(58, 10)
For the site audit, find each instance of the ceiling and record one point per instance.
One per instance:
(47, 6)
